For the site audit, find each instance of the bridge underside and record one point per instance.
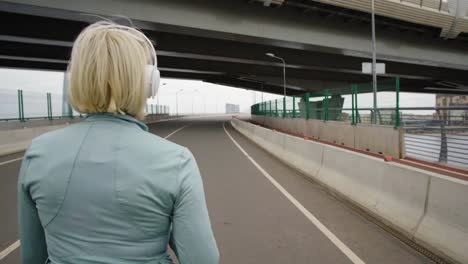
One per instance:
(41, 38)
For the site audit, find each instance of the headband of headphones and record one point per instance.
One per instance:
(152, 74)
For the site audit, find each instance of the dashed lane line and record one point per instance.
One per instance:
(177, 130)
(9, 249)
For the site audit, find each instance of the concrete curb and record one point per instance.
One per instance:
(8, 149)
(17, 140)
(423, 206)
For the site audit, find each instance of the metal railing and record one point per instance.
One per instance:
(435, 134)
(439, 135)
(328, 105)
(19, 105)
(155, 109)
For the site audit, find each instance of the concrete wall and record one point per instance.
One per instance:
(16, 136)
(445, 225)
(16, 140)
(150, 119)
(428, 208)
(377, 139)
(11, 125)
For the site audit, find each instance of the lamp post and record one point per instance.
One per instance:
(284, 70)
(262, 91)
(374, 61)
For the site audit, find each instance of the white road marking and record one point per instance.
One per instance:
(9, 249)
(10, 161)
(177, 130)
(334, 239)
(187, 117)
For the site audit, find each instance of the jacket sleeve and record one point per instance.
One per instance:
(33, 244)
(192, 238)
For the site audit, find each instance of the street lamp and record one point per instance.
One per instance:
(284, 70)
(262, 90)
(374, 60)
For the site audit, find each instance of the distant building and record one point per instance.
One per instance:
(232, 109)
(452, 100)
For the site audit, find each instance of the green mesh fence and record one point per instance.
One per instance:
(27, 105)
(329, 105)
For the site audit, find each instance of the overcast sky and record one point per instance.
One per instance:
(205, 97)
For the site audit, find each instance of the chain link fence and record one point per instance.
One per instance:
(19, 105)
(328, 105)
(434, 134)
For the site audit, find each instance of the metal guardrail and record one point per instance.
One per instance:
(440, 137)
(435, 134)
(444, 148)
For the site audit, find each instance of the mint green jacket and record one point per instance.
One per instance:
(107, 191)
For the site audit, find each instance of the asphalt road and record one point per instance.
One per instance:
(253, 220)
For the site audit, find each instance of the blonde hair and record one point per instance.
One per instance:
(107, 70)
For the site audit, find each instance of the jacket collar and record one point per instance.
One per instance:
(112, 116)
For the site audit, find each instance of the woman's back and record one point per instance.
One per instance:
(107, 191)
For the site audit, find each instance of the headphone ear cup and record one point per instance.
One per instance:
(152, 80)
(156, 78)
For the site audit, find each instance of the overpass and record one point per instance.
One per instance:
(225, 42)
(450, 16)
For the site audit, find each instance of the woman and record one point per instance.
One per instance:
(105, 190)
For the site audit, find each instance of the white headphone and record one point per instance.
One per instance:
(151, 71)
(153, 75)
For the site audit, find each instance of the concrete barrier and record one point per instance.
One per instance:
(337, 132)
(393, 193)
(402, 196)
(429, 208)
(275, 141)
(313, 128)
(305, 156)
(445, 225)
(11, 148)
(17, 140)
(377, 139)
(301, 125)
(17, 135)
